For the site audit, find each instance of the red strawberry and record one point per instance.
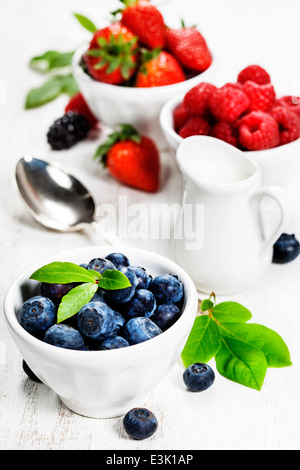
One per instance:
(145, 21)
(131, 158)
(159, 69)
(196, 100)
(258, 131)
(77, 104)
(228, 103)
(189, 47)
(195, 125)
(261, 97)
(254, 73)
(289, 124)
(180, 116)
(292, 102)
(226, 132)
(112, 55)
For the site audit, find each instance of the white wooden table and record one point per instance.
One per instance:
(228, 416)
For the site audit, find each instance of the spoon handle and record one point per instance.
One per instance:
(109, 237)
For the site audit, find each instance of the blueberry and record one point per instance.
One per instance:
(37, 314)
(64, 336)
(119, 322)
(30, 373)
(142, 304)
(122, 296)
(140, 423)
(140, 329)
(98, 296)
(198, 377)
(286, 249)
(96, 321)
(118, 259)
(55, 292)
(114, 342)
(166, 315)
(143, 277)
(167, 289)
(100, 265)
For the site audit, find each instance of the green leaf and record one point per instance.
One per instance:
(63, 273)
(113, 280)
(74, 300)
(51, 60)
(47, 92)
(241, 363)
(69, 85)
(231, 312)
(268, 341)
(203, 342)
(206, 305)
(86, 23)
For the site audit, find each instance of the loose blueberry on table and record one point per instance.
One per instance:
(198, 377)
(140, 423)
(113, 318)
(286, 249)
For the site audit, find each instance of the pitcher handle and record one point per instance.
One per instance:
(280, 196)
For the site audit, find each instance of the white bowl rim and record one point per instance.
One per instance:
(11, 318)
(78, 71)
(172, 103)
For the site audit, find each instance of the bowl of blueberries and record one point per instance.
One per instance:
(120, 343)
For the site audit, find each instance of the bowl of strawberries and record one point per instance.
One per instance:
(247, 114)
(134, 65)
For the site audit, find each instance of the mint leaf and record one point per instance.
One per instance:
(241, 363)
(69, 85)
(203, 342)
(86, 23)
(74, 300)
(231, 312)
(51, 60)
(63, 273)
(47, 92)
(206, 305)
(113, 280)
(268, 341)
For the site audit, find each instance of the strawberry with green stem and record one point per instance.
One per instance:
(158, 68)
(113, 54)
(131, 158)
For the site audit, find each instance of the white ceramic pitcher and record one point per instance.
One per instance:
(224, 248)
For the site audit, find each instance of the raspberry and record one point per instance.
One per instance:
(67, 131)
(195, 125)
(261, 97)
(228, 103)
(77, 104)
(224, 131)
(196, 100)
(258, 131)
(293, 102)
(254, 73)
(289, 124)
(180, 116)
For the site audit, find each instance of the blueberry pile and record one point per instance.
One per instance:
(112, 319)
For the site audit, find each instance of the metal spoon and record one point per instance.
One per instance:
(56, 199)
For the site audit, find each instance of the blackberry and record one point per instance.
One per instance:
(67, 131)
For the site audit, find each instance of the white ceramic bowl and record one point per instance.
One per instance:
(102, 384)
(139, 107)
(280, 166)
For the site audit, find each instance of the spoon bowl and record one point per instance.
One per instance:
(55, 198)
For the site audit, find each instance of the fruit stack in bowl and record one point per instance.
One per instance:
(111, 319)
(246, 114)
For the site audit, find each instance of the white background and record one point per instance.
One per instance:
(228, 416)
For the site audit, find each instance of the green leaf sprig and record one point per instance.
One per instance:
(243, 351)
(89, 281)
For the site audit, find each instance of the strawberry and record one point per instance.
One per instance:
(159, 68)
(77, 104)
(145, 21)
(189, 47)
(131, 158)
(113, 54)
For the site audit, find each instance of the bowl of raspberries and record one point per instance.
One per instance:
(134, 65)
(248, 114)
(101, 346)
